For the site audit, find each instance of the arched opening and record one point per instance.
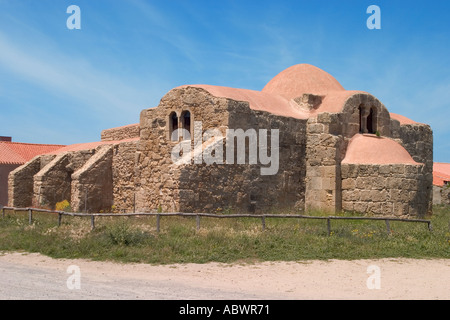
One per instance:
(186, 123)
(361, 129)
(173, 126)
(372, 121)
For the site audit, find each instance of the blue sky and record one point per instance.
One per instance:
(64, 86)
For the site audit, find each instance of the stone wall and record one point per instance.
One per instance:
(242, 187)
(157, 176)
(92, 178)
(445, 194)
(5, 169)
(441, 195)
(417, 139)
(20, 183)
(142, 175)
(53, 183)
(388, 189)
(437, 197)
(164, 185)
(328, 135)
(355, 114)
(324, 152)
(123, 175)
(329, 188)
(121, 133)
(92, 184)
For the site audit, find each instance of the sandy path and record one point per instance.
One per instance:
(34, 276)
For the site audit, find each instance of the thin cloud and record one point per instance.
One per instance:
(61, 74)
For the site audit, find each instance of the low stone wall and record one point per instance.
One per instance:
(441, 195)
(437, 199)
(92, 184)
(5, 169)
(84, 178)
(53, 183)
(121, 133)
(388, 189)
(445, 195)
(20, 183)
(123, 171)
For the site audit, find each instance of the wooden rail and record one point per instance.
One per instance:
(211, 215)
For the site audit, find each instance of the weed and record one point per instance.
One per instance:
(223, 240)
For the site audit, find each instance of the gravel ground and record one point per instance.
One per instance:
(35, 277)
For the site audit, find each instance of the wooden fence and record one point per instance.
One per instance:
(219, 216)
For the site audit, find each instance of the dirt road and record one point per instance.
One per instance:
(34, 276)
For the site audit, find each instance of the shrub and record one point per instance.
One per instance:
(123, 234)
(63, 206)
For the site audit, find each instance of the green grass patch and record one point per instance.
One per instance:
(134, 239)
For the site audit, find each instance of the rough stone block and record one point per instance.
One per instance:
(348, 183)
(347, 206)
(374, 207)
(362, 183)
(379, 183)
(360, 207)
(316, 128)
(384, 169)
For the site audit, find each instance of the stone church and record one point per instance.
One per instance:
(330, 149)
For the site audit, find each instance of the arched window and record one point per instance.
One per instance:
(186, 119)
(361, 121)
(173, 126)
(372, 120)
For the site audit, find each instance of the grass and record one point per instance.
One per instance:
(134, 239)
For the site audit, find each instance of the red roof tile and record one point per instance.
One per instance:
(441, 173)
(19, 153)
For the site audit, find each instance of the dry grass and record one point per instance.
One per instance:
(223, 240)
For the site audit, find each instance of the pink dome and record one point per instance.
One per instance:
(302, 78)
(370, 149)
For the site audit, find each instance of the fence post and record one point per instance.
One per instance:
(3, 212)
(85, 199)
(59, 218)
(198, 222)
(263, 221)
(388, 227)
(157, 223)
(329, 226)
(92, 222)
(30, 216)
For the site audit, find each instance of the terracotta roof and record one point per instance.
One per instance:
(300, 79)
(370, 149)
(277, 96)
(88, 145)
(257, 100)
(19, 153)
(401, 119)
(441, 173)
